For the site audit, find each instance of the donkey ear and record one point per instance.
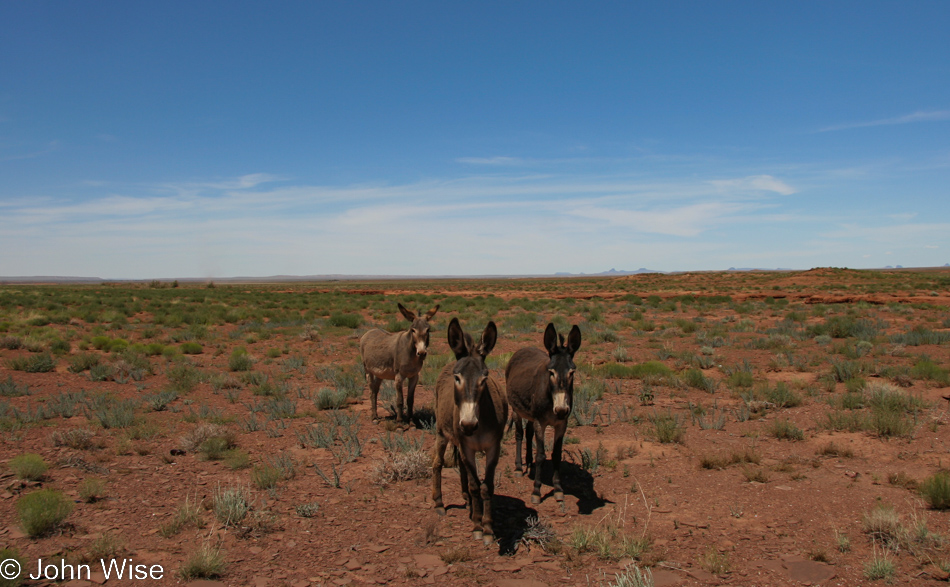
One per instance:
(457, 339)
(574, 340)
(550, 338)
(432, 312)
(489, 338)
(409, 314)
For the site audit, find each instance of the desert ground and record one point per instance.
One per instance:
(742, 428)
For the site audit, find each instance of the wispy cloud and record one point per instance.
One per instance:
(51, 147)
(261, 224)
(920, 116)
(498, 160)
(763, 183)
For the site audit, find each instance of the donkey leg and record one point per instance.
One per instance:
(528, 439)
(398, 384)
(374, 383)
(519, 436)
(539, 462)
(463, 478)
(559, 430)
(474, 491)
(488, 491)
(438, 461)
(410, 396)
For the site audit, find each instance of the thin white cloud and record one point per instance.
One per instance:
(920, 116)
(498, 160)
(758, 183)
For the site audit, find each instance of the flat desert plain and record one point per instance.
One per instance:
(747, 428)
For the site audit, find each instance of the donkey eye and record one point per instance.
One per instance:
(458, 379)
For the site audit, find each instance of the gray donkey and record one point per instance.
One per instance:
(397, 356)
(470, 413)
(541, 390)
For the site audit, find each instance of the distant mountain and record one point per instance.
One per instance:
(50, 279)
(610, 273)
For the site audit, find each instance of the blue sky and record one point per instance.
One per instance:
(220, 139)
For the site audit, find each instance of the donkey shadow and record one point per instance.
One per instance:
(575, 481)
(510, 521)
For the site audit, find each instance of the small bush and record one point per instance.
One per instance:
(786, 430)
(43, 363)
(29, 467)
(83, 362)
(345, 320)
(216, 448)
(307, 510)
(878, 568)
(91, 489)
(240, 360)
(638, 371)
(206, 562)
(936, 490)
(42, 511)
(9, 388)
(668, 428)
(265, 476)
(191, 348)
(329, 399)
(77, 438)
(405, 466)
(231, 504)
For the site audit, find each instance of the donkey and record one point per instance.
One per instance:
(470, 412)
(541, 390)
(398, 356)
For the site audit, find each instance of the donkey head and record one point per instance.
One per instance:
(561, 368)
(470, 372)
(419, 329)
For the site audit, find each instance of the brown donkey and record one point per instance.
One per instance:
(541, 390)
(470, 412)
(398, 356)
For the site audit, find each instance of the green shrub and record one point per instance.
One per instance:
(216, 448)
(9, 388)
(638, 371)
(329, 399)
(42, 511)
(345, 320)
(265, 476)
(29, 467)
(927, 369)
(786, 430)
(782, 396)
(231, 504)
(191, 348)
(240, 360)
(668, 428)
(42, 363)
(936, 490)
(83, 362)
(91, 489)
(205, 562)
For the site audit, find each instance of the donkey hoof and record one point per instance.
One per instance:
(519, 473)
(558, 496)
(477, 534)
(488, 539)
(535, 499)
(440, 510)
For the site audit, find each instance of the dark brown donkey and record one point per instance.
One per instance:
(470, 412)
(398, 356)
(541, 390)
